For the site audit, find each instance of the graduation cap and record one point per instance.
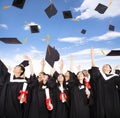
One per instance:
(34, 28)
(101, 8)
(18, 3)
(111, 27)
(52, 55)
(67, 14)
(83, 31)
(25, 63)
(114, 53)
(10, 40)
(51, 10)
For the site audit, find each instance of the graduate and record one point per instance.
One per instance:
(80, 95)
(105, 91)
(41, 96)
(62, 98)
(14, 94)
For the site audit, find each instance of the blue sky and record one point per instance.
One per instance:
(65, 34)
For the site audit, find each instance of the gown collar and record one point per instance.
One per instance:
(107, 76)
(13, 79)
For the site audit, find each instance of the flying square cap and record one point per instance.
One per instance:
(51, 10)
(111, 27)
(114, 53)
(67, 14)
(10, 40)
(25, 63)
(34, 28)
(52, 55)
(101, 8)
(83, 31)
(18, 3)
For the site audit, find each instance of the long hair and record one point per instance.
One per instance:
(72, 76)
(64, 82)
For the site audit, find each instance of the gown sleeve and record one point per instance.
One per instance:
(3, 73)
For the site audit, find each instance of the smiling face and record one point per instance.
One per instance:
(67, 76)
(45, 77)
(18, 70)
(60, 78)
(106, 68)
(40, 76)
(80, 76)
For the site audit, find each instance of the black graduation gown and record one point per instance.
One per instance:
(79, 102)
(118, 73)
(105, 93)
(37, 106)
(4, 75)
(11, 106)
(62, 108)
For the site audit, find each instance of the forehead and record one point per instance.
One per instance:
(46, 76)
(16, 67)
(60, 75)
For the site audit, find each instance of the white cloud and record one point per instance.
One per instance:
(27, 26)
(82, 58)
(108, 36)
(3, 26)
(34, 50)
(87, 9)
(72, 39)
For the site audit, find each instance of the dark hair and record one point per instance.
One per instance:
(64, 82)
(41, 82)
(110, 68)
(42, 73)
(72, 76)
(47, 75)
(77, 81)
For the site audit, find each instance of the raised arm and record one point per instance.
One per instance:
(92, 57)
(42, 65)
(30, 64)
(78, 68)
(61, 66)
(71, 62)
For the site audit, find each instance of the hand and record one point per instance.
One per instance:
(51, 107)
(10, 69)
(87, 92)
(79, 68)
(117, 66)
(42, 62)
(26, 57)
